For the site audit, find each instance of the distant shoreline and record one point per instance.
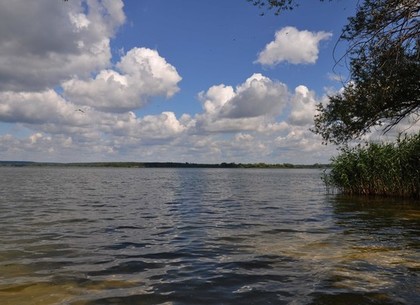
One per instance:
(157, 165)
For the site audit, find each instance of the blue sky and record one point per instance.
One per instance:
(159, 80)
(212, 42)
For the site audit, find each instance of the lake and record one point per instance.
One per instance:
(87, 236)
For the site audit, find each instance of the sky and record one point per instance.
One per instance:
(206, 81)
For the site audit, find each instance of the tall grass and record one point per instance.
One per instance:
(389, 169)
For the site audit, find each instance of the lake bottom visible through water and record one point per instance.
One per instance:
(87, 236)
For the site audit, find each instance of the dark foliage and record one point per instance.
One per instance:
(384, 41)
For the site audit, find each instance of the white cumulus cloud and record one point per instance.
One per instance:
(257, 101)
(293, 46)
(303, 106)
(142, 73)
(44, 42)
(258, 96)
(37, 108)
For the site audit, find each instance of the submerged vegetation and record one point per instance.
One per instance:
(388, 169)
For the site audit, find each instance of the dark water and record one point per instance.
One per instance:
(200, 236)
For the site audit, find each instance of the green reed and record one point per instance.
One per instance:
(389, 169)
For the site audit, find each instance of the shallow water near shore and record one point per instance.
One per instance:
(87, 236)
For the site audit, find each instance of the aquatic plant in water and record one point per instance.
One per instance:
(388, 169)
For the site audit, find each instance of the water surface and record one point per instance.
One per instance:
(86, 236)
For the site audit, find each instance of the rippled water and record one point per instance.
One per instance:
(85, 236)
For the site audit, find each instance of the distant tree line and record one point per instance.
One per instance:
(160, 165)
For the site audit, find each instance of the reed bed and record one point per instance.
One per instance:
(387, 169)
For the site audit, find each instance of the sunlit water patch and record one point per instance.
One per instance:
(200, 236)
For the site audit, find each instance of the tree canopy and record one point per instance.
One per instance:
(383, 54)
(384, 41)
